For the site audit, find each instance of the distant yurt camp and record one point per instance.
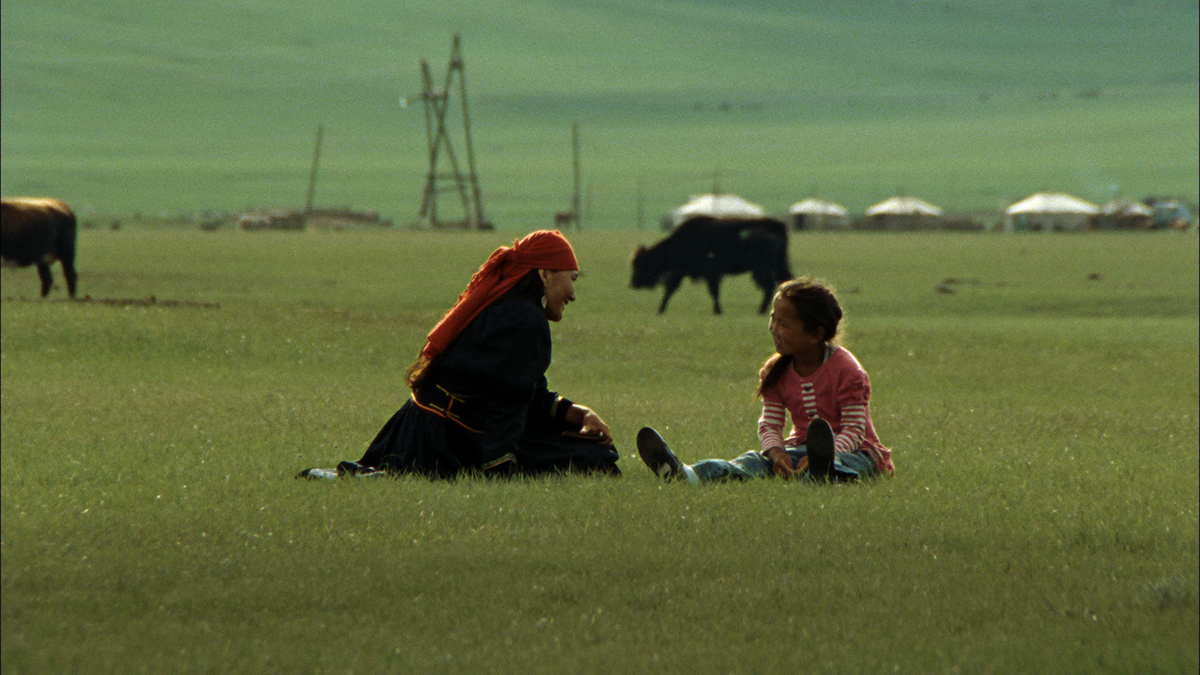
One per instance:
(902, 213)
(1050, 211)
(723, 205)
(818, 214)
(1121, 214)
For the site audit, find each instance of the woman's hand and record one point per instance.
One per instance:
(590, 423)
(781, 462)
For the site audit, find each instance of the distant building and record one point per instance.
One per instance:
(1121, 214)
(722, 205)
(1050, 212)
(902, 213)
(1173, 213)
(317, 219)
(277, 219)
(817, 214)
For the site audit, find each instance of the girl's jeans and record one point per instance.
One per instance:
(847, 466)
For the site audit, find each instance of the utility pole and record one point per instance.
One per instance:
(312, 176)
(571, 216)
(575, 161)
(456, 61)
(641, 202)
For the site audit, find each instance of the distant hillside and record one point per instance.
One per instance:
(122, 106)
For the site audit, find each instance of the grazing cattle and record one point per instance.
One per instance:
(709, 248)
(39, 232)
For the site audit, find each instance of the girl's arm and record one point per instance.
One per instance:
(770, 436)
(770, 424)
(854, 428)
(852, 399)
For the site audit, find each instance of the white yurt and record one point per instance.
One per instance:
(722, 205)
(903, 213)
(818, 214)
(1050, 211)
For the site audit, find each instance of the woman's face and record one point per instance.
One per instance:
(560, 290)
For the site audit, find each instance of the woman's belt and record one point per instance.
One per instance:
(463, 411)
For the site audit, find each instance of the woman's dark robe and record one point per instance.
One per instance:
(484, 407)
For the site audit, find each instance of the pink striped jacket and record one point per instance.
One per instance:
(838, 392)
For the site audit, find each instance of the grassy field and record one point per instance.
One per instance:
(972, 104)
(1043, 517)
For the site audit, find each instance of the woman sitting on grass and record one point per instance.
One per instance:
(821, 384)
(480, 402)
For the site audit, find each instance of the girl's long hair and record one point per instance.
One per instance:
(530, 286)
(817, 307)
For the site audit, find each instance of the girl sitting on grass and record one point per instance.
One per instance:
(820, 383)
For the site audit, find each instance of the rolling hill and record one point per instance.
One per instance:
(121, 107)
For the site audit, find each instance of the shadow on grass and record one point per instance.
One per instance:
(148, 301)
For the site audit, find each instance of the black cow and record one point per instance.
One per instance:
(709, 248)
(38, 232)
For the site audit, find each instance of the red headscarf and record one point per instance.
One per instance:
(541, 250)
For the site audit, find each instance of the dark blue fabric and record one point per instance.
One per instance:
(498, 363)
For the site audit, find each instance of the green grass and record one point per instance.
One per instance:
(1043, 517)
(972, 104)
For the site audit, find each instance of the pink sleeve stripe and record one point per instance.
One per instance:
(770, 425)
(768, 441)
(854, 430)
(773, 408)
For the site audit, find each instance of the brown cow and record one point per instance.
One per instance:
(39, 231)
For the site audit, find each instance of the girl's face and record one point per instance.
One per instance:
(560, 290)
(788, 331)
